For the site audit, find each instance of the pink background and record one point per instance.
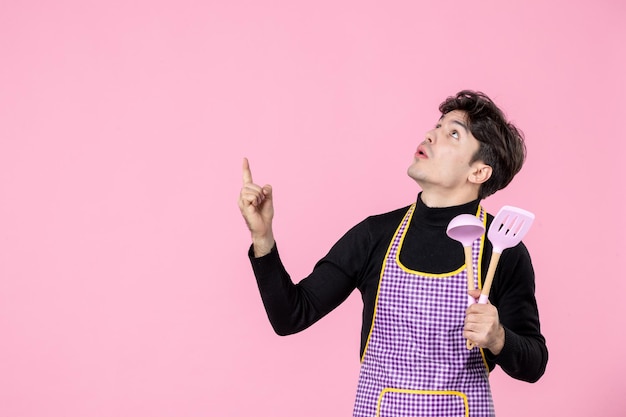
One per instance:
(125, 289)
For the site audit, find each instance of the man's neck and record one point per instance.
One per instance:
(434, 199)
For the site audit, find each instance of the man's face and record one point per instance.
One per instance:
(442, 160)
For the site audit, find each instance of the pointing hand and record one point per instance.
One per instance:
(257, 209)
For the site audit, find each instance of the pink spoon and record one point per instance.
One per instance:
(466, 228)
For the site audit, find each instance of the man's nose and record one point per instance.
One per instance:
(430, 136)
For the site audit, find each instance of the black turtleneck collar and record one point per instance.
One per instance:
(441, 216)
(427, 247)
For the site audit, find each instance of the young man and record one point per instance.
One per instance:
(412, 277)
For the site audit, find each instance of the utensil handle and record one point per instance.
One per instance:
(469, 265)
(493, 264)
(484, 294)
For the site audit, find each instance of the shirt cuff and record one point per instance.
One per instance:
(265, 263)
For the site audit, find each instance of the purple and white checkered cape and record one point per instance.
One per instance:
(415, 362)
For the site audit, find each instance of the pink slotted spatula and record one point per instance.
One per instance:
(506, 230)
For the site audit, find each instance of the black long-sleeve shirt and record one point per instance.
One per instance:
(355, 261)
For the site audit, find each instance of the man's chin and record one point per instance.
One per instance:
(413, 172)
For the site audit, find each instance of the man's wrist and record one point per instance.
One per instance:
(262, 245)
(498, 344)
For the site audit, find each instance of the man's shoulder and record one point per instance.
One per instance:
(390, 216)
(376, 228)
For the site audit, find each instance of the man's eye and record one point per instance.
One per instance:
(454, 134)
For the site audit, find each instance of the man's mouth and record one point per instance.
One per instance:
(420, 152)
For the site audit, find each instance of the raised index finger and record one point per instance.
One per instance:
(247, 174)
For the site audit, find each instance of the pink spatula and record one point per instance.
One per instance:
(506, 230)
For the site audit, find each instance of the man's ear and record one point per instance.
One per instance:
(480, 173)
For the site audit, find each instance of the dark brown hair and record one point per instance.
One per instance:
(501, 143)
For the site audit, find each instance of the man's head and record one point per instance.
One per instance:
(501, 144)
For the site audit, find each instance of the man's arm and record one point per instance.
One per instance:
(293, 307)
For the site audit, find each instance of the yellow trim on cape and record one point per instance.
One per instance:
(380, 280)
(422, 392)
